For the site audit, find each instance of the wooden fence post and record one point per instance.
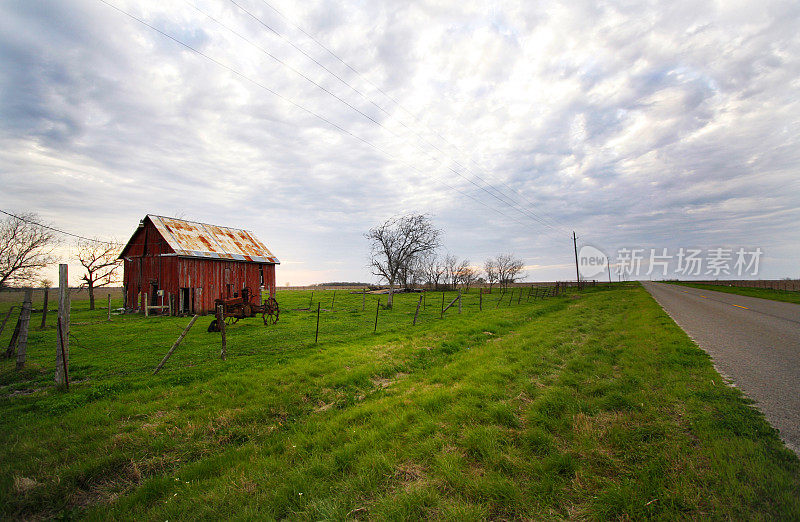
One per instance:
(376, 315)
(44, 308)
(175, 345)
(109, 307)
(60, 339)
(363, 299)
(62, 343)
(417, 312)
(221, 323)
(311, 303)
(316, 335)
(25, 319)
(3, 326)
(12, 344)
(459, 300)
(442, 314)
(480, 299)
(147, 305)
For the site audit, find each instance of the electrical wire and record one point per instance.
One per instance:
(54, 229)
(299, 106)
(512, 205)
(556, 223)
(505, 199)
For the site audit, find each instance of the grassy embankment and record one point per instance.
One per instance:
(592, 406)
(786, 296)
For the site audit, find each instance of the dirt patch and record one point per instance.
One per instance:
(23, 392)
(23, 484)
(410, 472)
(385, 382)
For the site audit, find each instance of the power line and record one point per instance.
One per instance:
(511, 204)
(297, 105)
(555, 224)
(54, 229)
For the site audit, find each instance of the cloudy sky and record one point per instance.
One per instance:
(638, 125)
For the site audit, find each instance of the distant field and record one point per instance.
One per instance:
(787, 296)
(594, 405)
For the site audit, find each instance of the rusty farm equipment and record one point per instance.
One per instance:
(236, 308)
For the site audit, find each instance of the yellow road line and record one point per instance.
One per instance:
(704, 297)
(741, 306)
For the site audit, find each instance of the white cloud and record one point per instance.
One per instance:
(645, 125)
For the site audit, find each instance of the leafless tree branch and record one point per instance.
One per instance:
(25, 248)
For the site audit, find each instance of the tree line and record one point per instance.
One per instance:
(404, 252)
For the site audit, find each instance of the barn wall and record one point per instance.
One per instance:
(210, 280)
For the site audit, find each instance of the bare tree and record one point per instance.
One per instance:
(490, 269)
(25, 248)
(509, 269)
(466, 274)
(397, 242)
(410, 274)
(433, 270)
(450, 270)
(99, 260)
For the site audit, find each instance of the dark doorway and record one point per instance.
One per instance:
(185, 301)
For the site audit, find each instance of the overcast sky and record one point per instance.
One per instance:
(638, 125)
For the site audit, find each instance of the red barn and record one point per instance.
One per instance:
(193, 264)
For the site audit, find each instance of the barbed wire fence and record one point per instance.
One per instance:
(343, 315)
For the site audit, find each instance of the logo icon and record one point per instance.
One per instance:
(591, 261)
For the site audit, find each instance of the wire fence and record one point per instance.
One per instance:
(788, 285)
(130, 346)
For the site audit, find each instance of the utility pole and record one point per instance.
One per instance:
(608, 264)
(577, 271)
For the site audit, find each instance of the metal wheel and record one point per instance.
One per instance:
(271, 311)
(213, 326)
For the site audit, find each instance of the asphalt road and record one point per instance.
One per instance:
(754, 342)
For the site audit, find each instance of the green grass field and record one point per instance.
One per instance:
(590, 406)
(786, 296)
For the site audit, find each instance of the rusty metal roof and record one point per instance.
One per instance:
(192, 239)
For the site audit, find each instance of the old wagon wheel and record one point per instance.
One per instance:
(271, 311)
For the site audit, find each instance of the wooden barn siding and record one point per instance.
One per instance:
(209, 279)
(147, 264)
